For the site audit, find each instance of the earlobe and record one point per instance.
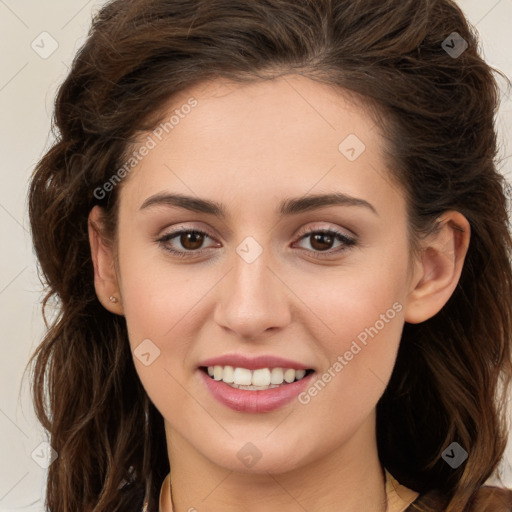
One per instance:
(105, 277)
(439, 268)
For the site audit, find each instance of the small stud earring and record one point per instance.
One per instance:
(113, 299)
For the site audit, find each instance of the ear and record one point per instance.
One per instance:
(105, 276)
(437, 271)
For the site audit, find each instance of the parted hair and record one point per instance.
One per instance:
(436, 111)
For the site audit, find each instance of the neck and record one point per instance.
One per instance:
(330, 483)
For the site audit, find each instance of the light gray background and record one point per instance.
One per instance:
(28, 83)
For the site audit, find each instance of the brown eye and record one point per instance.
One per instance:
(321, 241)
(191, 240)
(185, 242)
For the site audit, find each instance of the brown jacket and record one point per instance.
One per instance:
(486, 499)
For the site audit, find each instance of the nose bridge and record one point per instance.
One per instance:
(253, 299)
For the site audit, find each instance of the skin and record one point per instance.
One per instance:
(248, 147)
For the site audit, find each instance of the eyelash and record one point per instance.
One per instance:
(338, 235)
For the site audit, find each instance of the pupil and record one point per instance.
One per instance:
(191, 240)
(318, 239)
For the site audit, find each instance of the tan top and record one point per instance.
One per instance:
(399, 497)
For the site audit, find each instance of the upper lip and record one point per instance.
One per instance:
(253, 363)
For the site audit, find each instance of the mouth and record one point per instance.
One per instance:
(259, 379)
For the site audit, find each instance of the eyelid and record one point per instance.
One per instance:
(319, 227)
(347, 242)
(301, 232)
(347, 239)
(185, 229)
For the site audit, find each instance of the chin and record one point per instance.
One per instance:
(259, 456)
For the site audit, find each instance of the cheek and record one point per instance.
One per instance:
(158, 303)
(359, 301)
(161, 302)
(154, 301)
(158, 295)
(359, 320)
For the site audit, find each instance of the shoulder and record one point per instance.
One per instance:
(491, 499)
(486, 499)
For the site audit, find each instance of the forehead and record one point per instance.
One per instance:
(284, 136)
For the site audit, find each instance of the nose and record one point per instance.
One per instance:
(253, 299)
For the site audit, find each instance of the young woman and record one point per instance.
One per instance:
(279, 247)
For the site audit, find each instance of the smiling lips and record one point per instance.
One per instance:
(255, 385)
(260, 379)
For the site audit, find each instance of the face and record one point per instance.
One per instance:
(263, 277)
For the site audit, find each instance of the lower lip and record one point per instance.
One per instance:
(253, 400)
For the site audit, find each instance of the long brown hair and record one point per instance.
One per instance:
(437, 112)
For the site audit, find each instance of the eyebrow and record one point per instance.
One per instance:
(292, 206)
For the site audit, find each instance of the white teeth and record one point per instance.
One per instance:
(289, 375)
(276, 377)
(242, 377)
(261, 378)
(217, 372)
(299, 374)
(256, 388)
(229, 374)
